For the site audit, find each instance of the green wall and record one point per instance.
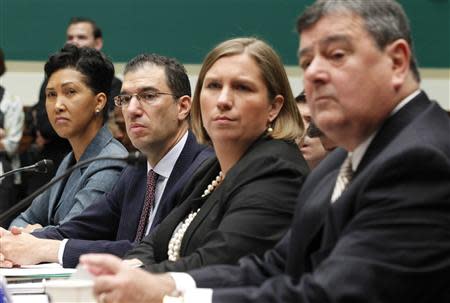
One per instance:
(187, 29)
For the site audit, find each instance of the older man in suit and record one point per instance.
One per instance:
(155, 100)
(372, 224)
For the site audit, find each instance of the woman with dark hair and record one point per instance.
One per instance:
(79, 81)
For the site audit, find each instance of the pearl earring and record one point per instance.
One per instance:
(269, 128)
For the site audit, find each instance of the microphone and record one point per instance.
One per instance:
(132, 158)
(135, 157)
(42, 166)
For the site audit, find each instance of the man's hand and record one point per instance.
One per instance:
(17, 247)
(116, 282)
(4, 263)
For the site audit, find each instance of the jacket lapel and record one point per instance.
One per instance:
(166, 229)
(190, 199)
(206, 208)
(64, 187)
(182, 163)
(392, 127)
(344, 207)
(192, 155)
(310, 215)
(308, 224)
(56, 194)
(206, 204)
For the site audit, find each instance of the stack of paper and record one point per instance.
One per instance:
(26, 288)
(28, 279)
(41, 271)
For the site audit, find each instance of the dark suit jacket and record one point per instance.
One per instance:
(110, 224)
(244, 214)
(386, 239)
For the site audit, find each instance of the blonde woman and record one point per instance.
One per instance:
(242, 201)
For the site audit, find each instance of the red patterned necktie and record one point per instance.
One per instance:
(148, 205)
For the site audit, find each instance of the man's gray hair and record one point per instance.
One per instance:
(385, 20)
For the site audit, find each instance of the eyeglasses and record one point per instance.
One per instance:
(146, 97)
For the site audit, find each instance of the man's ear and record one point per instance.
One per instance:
(399, 53)
(184, 107)
(98, 43)
(275, 107)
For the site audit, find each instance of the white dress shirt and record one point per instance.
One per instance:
(164, 168)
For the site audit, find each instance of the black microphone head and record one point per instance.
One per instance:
(43, 166)
(135, 157)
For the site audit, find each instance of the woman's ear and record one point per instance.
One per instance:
(100, 102)
(275, 107)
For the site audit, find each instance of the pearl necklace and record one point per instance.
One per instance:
(173, 251)
(213, 184)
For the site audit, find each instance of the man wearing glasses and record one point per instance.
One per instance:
(155, 100)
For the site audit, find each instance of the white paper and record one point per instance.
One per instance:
(26, 288)
(30, 299)
(48, 269)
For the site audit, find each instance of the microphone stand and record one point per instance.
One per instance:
(39, 167)
(135, 157)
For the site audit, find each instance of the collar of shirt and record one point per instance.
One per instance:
(360, 150)
(165, 166)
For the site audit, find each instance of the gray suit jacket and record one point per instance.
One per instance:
(84, 185)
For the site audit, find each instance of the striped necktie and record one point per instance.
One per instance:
(344, 177)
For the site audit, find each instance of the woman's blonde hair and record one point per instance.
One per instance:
(288, 124)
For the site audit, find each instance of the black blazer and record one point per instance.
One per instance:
(386, 239)
(249, 212)
(110, 224)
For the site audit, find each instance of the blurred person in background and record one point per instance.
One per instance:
(11, 125)
(311, 146)
(116, 124)
(314, 132)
